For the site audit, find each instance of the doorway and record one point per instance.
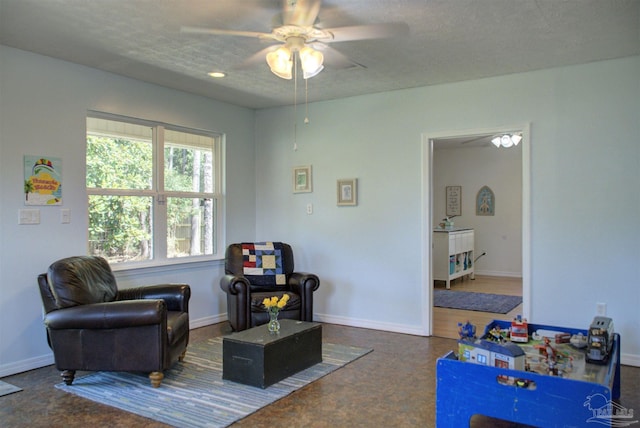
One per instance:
(432, 209)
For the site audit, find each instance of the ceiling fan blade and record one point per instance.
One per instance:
(257, 58)
(334, 58)
(198, 30)
(302, 13)
(373, 31)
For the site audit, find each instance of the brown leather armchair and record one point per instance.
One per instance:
(258, 270)
(91, 325)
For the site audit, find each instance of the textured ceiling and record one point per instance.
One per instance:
(449, 41)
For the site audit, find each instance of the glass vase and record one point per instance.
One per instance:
(274, 324)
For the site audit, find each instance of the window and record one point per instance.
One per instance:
(154, 191)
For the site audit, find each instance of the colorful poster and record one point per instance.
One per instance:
(42, 180)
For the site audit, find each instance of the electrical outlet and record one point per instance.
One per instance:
(309, 209)
(601, 309)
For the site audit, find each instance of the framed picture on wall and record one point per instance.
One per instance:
(485, 201)
(42, 180)
(454, 200)
(348, 191)
(302, 181)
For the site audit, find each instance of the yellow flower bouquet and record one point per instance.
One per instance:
(273, 306)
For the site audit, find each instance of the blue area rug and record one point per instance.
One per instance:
(7, 388)
(482, 302)
(194, 394)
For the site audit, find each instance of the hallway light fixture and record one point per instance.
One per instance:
(506, 140)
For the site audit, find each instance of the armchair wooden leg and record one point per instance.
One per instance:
(156, 378)
(67, 376)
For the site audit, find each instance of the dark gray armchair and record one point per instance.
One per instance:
(91, 325)
(256, 270)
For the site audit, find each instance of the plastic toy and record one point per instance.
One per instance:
(578, 341)
(556, 336)
(519, 330)
(466, 331)
(554, 357)
(600, 340)
(480, 351)
(496, 335)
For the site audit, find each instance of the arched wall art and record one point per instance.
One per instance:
(485, 201)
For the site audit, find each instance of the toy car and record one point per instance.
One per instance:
(519, 330)
(600, 340)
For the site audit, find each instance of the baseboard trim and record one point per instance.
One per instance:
(26, 365)
(498, 273)
(373, 325)
(205, 321)
(630, 360)
(329, 319)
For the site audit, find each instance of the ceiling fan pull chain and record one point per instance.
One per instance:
(295, 101)
(306, 101)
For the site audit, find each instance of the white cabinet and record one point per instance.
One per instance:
(452, 254)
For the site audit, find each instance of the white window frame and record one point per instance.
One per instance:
(160, 195)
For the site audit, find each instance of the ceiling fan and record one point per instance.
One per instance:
(301, 37)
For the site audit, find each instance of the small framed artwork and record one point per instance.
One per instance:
(485, 201)
(302, 182)
(42, 180)
(348, 191)
(454, 201)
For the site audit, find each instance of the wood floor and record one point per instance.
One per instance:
(393, 386)
(445, 321)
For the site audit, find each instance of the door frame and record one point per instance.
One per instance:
(427, 214)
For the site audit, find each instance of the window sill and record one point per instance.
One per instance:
(165, 265)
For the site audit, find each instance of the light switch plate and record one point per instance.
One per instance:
(31, 216)
(65, 216)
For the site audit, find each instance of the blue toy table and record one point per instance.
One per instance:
(464, 389)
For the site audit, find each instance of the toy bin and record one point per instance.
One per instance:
(580, 396)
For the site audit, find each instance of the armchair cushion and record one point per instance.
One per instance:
(257, 298)
(81, 280)
(107, 315)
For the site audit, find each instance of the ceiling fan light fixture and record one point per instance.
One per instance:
(280, 62)
(506, 140)
(311, 61)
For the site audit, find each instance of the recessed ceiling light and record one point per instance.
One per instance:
(217, 74)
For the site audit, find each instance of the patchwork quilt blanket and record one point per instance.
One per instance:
(262, 263)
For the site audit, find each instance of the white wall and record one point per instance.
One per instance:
(584, 162)
(500, 235)
(584, 209)
(43, 106)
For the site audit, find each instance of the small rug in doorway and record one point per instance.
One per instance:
(193, 392)
(482, 302)
(7, 388)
